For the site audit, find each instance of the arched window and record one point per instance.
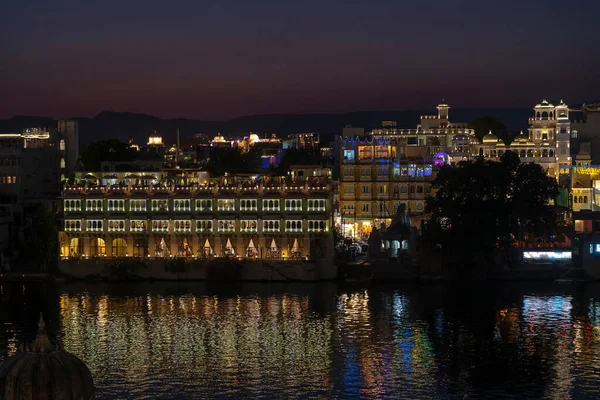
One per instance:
(119, 247)
(403, 189)
(62, 163)
(75, 247)
(544, 115)
(97, 247)
(62, 144)
(419, 206)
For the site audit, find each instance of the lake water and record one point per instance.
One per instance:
(195, 340)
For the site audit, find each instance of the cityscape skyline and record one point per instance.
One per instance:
(220, 61)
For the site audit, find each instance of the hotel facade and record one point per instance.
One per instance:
(266, 219)
(392, 166)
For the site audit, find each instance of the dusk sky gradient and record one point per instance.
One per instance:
(228, 58)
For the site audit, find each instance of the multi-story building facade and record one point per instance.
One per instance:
(435, 132)
(376, 177)
(32, 165)
(547, 144)
(266, 219)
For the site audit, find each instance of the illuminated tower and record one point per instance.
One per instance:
(563, 134)
(443, 109)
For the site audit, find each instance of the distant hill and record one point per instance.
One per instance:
(125, 125)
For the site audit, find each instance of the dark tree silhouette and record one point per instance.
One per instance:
(295, 156)
(481, 205)
(230, 161)
(107, 150)
(484, 125)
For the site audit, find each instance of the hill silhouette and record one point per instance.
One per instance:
(126, 125)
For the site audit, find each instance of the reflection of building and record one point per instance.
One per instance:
(376, 177)
(264, 219)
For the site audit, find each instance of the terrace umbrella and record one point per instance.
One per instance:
(228, 246)
(207, 246)
(251, 248)
(274, 245)
(295, 247)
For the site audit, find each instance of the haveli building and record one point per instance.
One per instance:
(547, 142)
(265, 218)
(392, 166)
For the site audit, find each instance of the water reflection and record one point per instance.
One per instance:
(323, 342)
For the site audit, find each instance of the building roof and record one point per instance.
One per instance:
(490, 138)
(43, 370)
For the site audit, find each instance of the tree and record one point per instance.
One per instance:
(224, 160)
(484, 125)
(481, 205)
(295, 156)
(107, 150)
(41, 237)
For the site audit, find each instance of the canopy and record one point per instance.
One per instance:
(251, 245)
(295, 246)
(228, 245)
(273, 244)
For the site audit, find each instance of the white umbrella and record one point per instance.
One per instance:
(207, 246)
(251, 245)
(273, 245)
(228, 245)
(295, 246)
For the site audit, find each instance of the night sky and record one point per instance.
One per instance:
(227, 58)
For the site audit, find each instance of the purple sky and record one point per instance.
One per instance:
(227, 58)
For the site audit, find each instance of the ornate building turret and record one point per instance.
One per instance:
(42, 370)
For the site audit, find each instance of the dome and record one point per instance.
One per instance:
(219, 138)
(490, 138)
(43, 370)
(253, 138)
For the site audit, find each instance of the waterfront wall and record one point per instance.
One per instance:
(185, 269)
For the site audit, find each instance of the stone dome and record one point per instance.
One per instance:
(42, 370)
(490, 138)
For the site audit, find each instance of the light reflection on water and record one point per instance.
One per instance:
(319, 341)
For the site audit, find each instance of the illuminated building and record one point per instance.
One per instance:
(376, 176)
(585, 128)
(32, 165)
(435, 132)
(547, 144)
(268, 218)
(302, 141)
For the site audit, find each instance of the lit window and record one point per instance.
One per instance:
(62, 163)
(62, 144)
